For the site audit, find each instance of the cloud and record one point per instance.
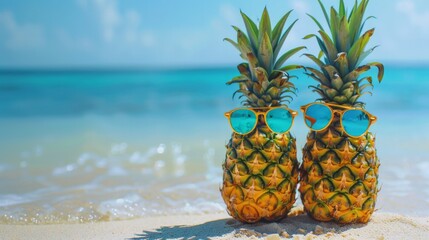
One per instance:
(300, 7)
(229, 14)
(20, 36)
(416, 18)
(118, 26)
(107, 14)
(109, 17)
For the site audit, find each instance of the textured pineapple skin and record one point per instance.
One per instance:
(260, 175)
(339, 176)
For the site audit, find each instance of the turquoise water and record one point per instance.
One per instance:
(99, 146)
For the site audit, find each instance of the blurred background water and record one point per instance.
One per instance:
(91, 146)
(114, 109)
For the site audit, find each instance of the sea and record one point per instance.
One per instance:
(104, 145)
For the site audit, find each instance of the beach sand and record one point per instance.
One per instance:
(221, 226)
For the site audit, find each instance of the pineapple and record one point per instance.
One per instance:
(339, 173)
(260, 172)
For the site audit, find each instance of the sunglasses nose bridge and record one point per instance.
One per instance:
(294, 113)
(337, 112)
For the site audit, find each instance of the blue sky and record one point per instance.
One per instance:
(185, 33)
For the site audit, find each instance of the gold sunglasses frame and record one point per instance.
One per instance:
(257, 114)
(372, 118)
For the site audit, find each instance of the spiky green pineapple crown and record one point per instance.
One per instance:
(264, 80)
(343, 50)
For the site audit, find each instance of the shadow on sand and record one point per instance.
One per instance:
(301, 224)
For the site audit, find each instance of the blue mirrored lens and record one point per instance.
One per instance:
(355, 122)
(243, 121)
(279, 120)
(317, 116)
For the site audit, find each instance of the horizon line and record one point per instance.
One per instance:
(113, 69)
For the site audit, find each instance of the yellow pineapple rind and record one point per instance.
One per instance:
(339, 176)
(260, 175)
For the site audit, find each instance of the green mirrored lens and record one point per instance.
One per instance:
(355, 122)
(243, 121)
(279, 120)
(317, 116)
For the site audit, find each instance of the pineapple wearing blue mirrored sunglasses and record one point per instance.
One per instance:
(339, 173)
(261, 167)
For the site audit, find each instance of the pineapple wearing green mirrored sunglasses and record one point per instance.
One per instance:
(261, 167)
(339, 173)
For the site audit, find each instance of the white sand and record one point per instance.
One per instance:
(221, 226)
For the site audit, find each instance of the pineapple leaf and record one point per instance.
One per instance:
(318, 76)
(340, 99)
(252, 31)
(309, 36)
(264, 25)
(243, 43)
(343, 64)
(282, 40)
(232, 43)
(366, 92)
(274, 91)
(241, 91)
(291, 67)
(380, 70)
(325, 13)
(321, 44)
(342, 8)
(288, 97)
(365, 54)
(343, 37)
(320, 54)
(243, 68)
(288, 91)
(277, 31)
(353, 75)
(261, 75)
(361, 88)
(356, 20)
(266, 53)
(253, 64)
(369, 79)
(286, 56)
(330, 71)
(348, 85)
(363, 24)
(331, 93)
(314, 59)
(353, 10)
(353, 99)
(337, 82)
(334, 25)
(347, 92)
(317, 22)
(317, 90)
(330, 50)
(358, 47)
(238, 79)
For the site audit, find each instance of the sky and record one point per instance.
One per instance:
(185, 33)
